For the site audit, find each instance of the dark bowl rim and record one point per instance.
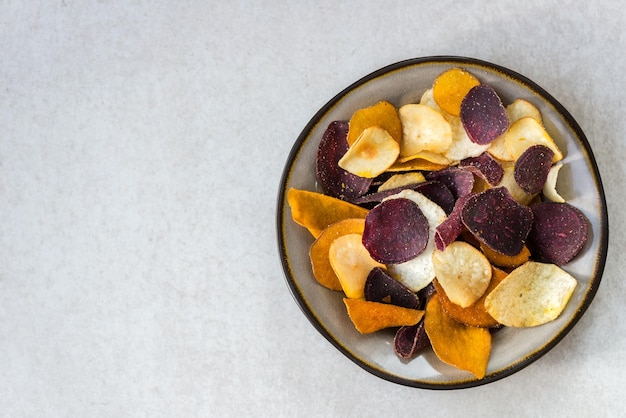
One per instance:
(603, 222)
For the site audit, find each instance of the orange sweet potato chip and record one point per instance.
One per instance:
(475, 315)
(322, 269)
(465, 347)
(450, 87)
(369, 317)
(382, 114)
(506, 261)
(316, 211)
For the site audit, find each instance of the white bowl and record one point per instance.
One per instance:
(513, 349)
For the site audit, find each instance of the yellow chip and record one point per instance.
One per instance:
(463, 272)
(399, 180)
(465, 347)
(316, 211)
(372, 153)
(532, 294)
(506, 261)
(450, 87)
(423, 129)
(352, 263)
(475, 315)
(369, 317)
(382, 114)
(318, 253)
(526, 132)
(415, 165)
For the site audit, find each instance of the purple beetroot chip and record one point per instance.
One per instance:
(532, 168)
(483, 115)
(381, 287)
(395, 231)
(449, 230)
(433, 190)
(559, 232)
(484, 166)
(460, 182)
(497, 220)
(409, 340)
(336, 181)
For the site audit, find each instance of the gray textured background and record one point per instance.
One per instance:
(141, 146)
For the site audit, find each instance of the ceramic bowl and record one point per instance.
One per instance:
(512, 349)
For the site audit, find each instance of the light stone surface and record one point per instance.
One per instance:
(141, 147)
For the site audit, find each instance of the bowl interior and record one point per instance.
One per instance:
(579, 183)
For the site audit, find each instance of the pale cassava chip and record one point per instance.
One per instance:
(423, 129)
(462, 146)
(549, 188)
(352, 263)
(465, 347)
(369, 317)
(559, 232)
(410, 339)
(315, 211)
(526, 132)
(418, 272)
(521, 108)
(381, 287)
(335, 180)
(475, 315)
(450, 87)
(532, 168)
(483, 115)
(463, 272)
(433, 157)
(532, 294)
(318, 252)
(382, 114)
(497, 220)
(399, 180)
(372, 153)
(396, 231)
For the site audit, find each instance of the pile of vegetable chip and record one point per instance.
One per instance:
(441, 220)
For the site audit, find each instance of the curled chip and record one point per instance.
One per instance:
(319, 250)
(532, 168)
(381, 287)
(400, 180)
(449, 230)
(351, 263)
(433, 190)
(414, 165)
(418, 272)
(475, 315)
(450, 87)
(396, 231)
(316, 211)
(336, 181)
(410, 339)
(371, 154)
(532, 294)
(463, 272)
(497, 220)
(549, 188)
(465, 347)
(423, 129)
(559, 232)
(485, 167)
(526, 132)
(483, 115)
(369, 317)
(382, 114)
(460, 182)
